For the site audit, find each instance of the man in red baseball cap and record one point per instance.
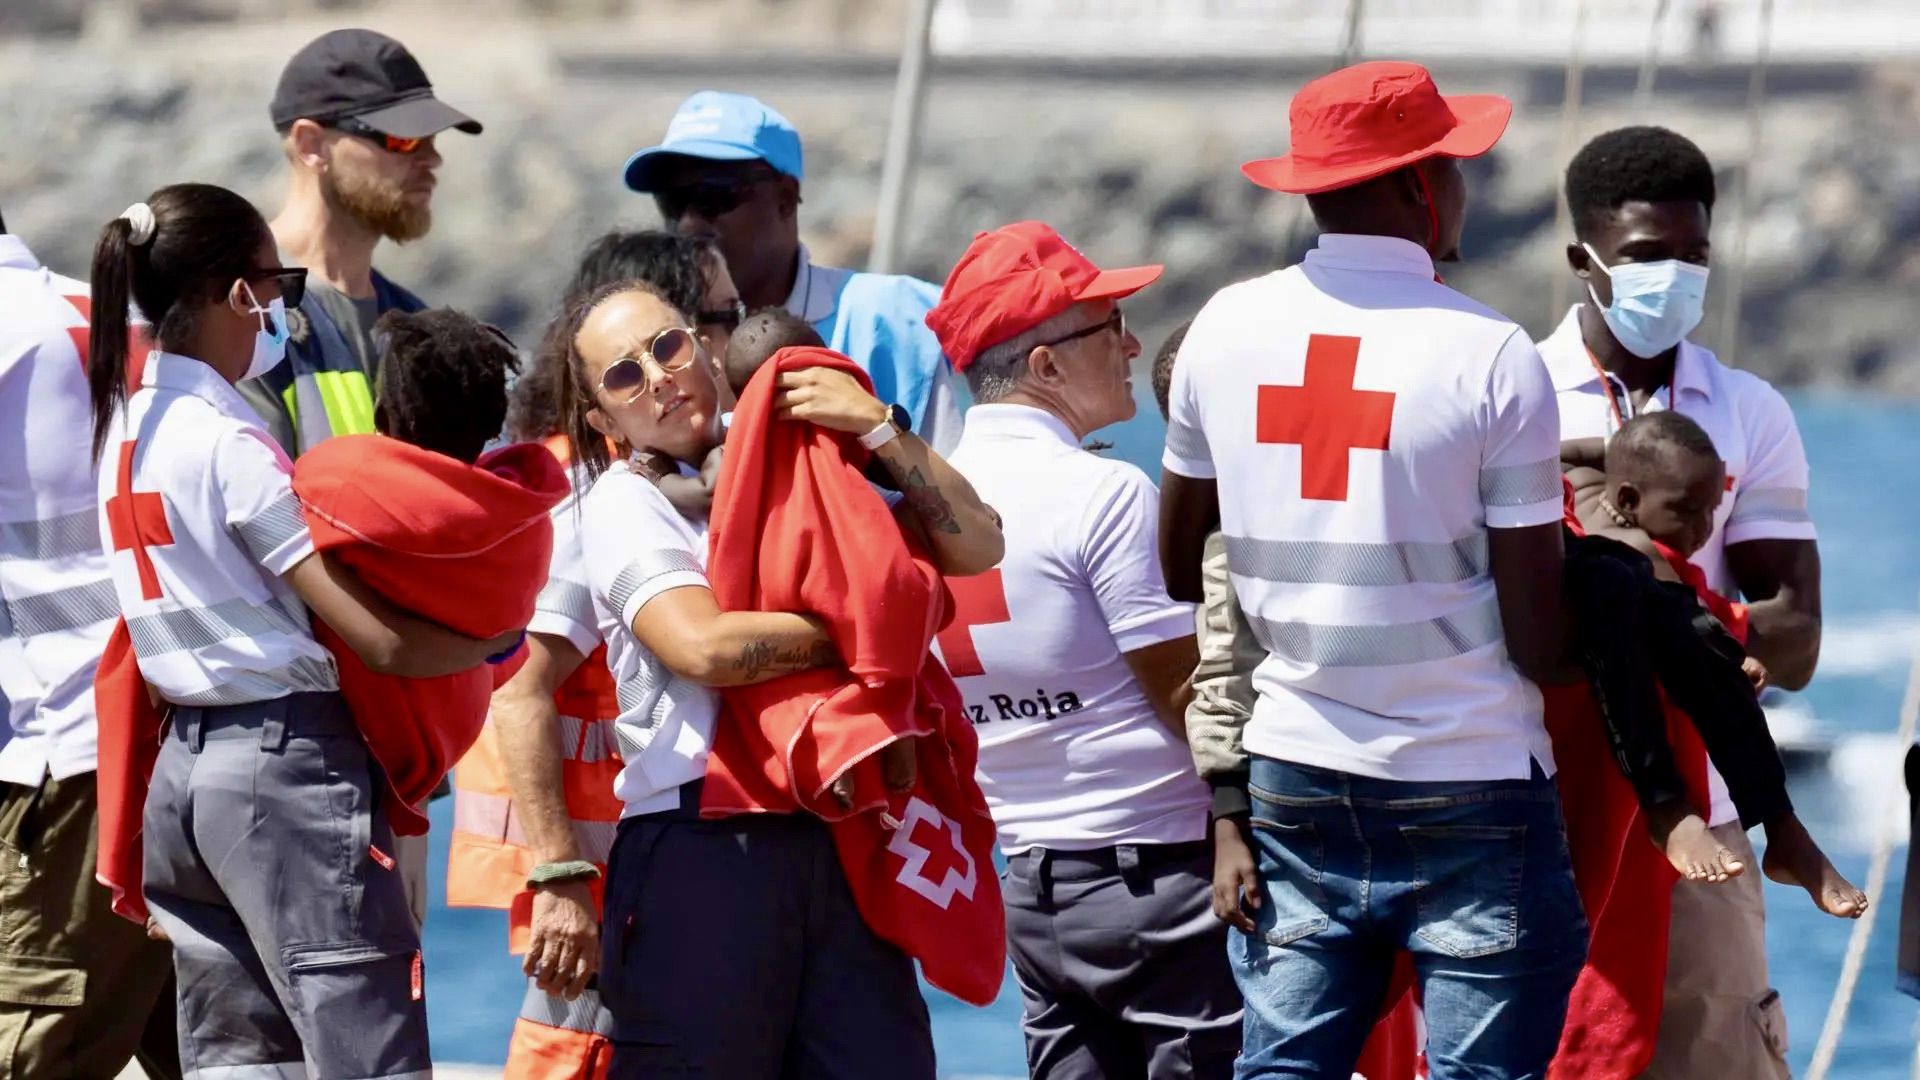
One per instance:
(1073, 662)
(1381, 454)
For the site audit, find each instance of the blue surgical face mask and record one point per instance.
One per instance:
(1655, 304)
(270, 341)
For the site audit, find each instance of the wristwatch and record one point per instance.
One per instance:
(896, 424)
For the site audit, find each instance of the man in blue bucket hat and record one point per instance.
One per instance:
(729, 168)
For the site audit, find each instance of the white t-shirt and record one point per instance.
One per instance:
(564, 607)
(199, 520)
(1751, 426)
(56, 598)
(1072, 754)
(635, 546)
(1368, 426)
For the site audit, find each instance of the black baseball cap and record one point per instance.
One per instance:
(367, 76)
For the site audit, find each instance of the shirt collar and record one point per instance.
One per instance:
(171, 371)
(813, 297)
(1354, 251)
(14, 254)
(1005, 421)
(1572, 367)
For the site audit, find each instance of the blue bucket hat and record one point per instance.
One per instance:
(720, 126)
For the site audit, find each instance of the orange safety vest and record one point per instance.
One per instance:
(489, 860)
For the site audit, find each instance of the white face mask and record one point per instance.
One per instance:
(1655, 304)
(270, 341)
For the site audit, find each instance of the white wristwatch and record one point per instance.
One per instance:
(895, 425)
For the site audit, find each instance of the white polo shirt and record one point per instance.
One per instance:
(635, 546)
(1751, 426)
(56, 600)
(1072, 754)
(1368, 426)
(199, 520)
(564, 607)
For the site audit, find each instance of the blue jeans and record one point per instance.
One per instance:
(1472, 879)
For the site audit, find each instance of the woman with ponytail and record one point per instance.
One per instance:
(263, 835)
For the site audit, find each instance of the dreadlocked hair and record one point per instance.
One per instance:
(573, 394)
(443, 380)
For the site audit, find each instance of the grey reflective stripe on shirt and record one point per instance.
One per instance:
(268, 530)
(645, 569)
(62, 609)
(1520, 485)
(303, 675)
(587, 740)
(583, 1014)
(647, 683)
(1770, 504)
(1327, 562)
(61, 537)
(196, 628)
(568, 599)
(1381, 644)
(1188, 443)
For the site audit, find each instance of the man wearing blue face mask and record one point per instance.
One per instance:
(1642, 200)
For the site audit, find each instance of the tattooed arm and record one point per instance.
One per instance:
(962, 531)
(687, 630)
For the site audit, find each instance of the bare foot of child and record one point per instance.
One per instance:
(1690, 846)
(899, 764)
(1793, 858)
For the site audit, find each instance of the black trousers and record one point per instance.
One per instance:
(1637, 635)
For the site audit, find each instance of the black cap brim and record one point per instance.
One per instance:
(417, 118)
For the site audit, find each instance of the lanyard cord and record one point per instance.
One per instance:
(1618, 417)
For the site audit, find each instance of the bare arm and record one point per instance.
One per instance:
(1780, 580)
(527, 724)
(1528, 570)
(686, 629)
(388, 640)
(1589, 453)
(1164, 671)
(1189, 512)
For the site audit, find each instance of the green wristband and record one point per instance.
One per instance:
(555, 872)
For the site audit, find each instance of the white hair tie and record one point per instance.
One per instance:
(140, 223)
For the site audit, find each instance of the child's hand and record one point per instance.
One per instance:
(710, 468)
(1756, 673)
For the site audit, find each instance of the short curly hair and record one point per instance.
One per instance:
(1162, 372)
(1635, 164)
(443, 380)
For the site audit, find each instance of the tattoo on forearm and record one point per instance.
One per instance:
(760, 657)
(928, 504)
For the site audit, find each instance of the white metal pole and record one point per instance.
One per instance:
(903, 138)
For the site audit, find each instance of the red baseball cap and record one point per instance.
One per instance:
(1013, 279)
(1370, 119)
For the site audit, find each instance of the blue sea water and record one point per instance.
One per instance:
(1864, 498)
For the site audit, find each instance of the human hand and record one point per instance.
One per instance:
(828, 397)
(154, 933)
(1756, 673)
(565, 949)
(1235, 874)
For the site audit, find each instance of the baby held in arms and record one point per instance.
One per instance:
(1663, 481)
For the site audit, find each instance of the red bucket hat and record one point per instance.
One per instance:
(1013, 279)
(1370, 119)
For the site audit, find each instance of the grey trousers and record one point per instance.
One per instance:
(1121, 963)
(268, 863)
(732, 950)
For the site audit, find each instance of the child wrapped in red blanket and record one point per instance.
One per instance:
(796, 527)
(425, 520)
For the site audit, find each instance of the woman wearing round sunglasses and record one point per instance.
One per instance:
(807, 990)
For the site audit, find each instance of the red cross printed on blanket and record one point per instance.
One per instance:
(980, 600)
(138, 521)
(1326, 417)
(938, 864)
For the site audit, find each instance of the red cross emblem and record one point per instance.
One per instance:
(81, 336)
(980, 600)
(1326, 417)
(138, 521)
(938, 864)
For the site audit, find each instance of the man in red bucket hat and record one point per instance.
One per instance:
(1381, 455)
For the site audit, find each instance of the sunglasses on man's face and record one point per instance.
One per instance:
(726, 318)
(671, 350)
(709, 196)
(392, 144)
(1116, 321)
(291, 279)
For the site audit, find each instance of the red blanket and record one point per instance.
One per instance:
(464, 545)
(795, 527)
(1626, 884)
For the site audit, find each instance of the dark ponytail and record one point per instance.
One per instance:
(202, 238)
